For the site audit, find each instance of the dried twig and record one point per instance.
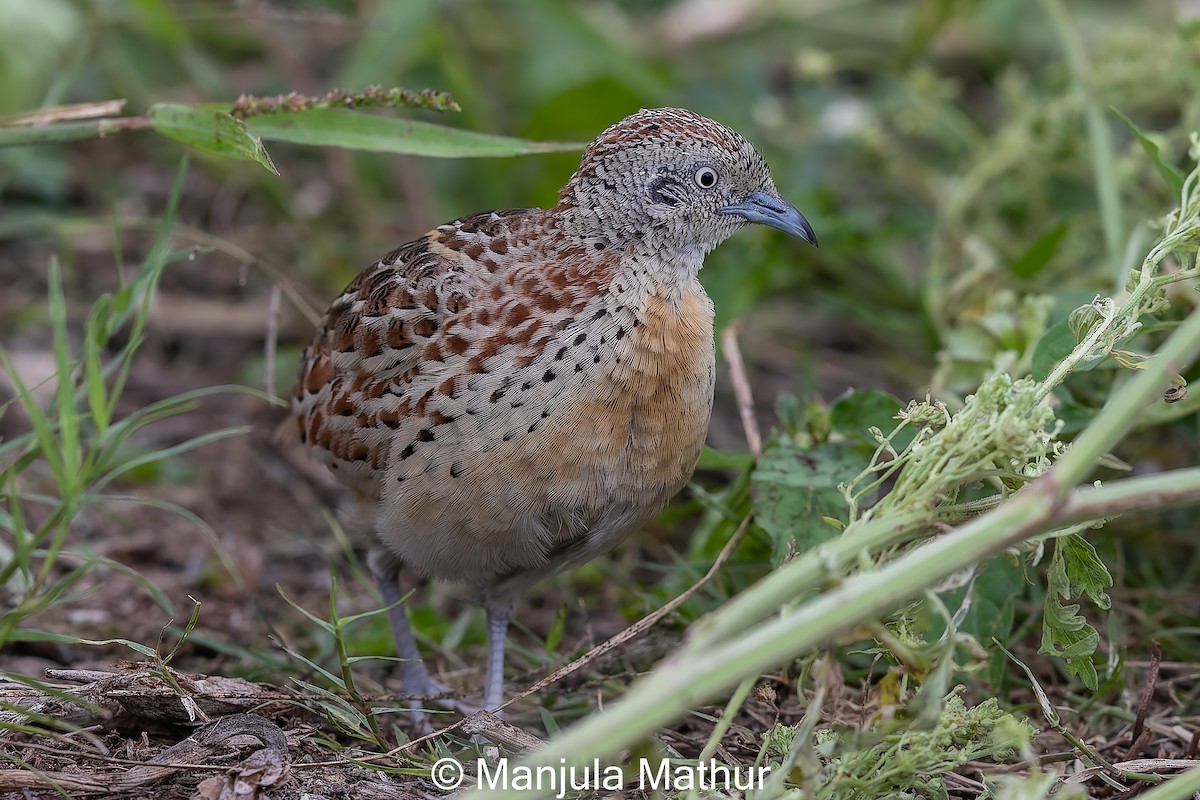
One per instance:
(74, 111)
(642, 625)
(271, 340)
(1144, 701)
(741, 388)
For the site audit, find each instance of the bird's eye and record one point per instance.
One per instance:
(706, 177)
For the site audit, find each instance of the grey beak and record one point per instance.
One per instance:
(774, 211)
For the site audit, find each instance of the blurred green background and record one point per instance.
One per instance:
(942, 150)
(939, 147)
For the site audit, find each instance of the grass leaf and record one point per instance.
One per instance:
(1040, 253)
(210, 131)
(1171, 174)
(361, 131)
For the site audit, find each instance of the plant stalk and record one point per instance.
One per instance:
(710, 663)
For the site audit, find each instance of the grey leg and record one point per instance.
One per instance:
(413, 672)
(497, 624)
(412, 667)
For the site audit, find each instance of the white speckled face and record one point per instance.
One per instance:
(662, 177)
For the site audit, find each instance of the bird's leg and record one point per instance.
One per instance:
(416, 677)
(498, 614)
(412, 668)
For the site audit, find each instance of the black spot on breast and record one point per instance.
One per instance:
(549, 376)
(408, 451)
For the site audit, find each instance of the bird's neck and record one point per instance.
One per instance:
(667, 246)
(641, 262)
(646, 273)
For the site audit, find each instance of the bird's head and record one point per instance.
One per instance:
(676, 183)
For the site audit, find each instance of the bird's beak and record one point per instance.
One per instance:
(776, 212)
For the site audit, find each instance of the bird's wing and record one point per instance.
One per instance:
(375, 338)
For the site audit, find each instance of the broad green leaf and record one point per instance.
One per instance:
(361, 131)
(1170, 173)
(795, 491)
(1040, 253)
(1085, 570)
(994, 594)
(724, 459)
(1074, 570)
(210, 130)
(859, 409)
(1056, 344)
(1075, 416)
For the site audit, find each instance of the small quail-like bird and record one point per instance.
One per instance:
(515, 392)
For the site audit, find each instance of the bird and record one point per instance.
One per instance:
(515, 392)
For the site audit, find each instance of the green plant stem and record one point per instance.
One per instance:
(1182, 786)
(709, 664)
(688, 679)
(805, 573)
(352, 692)
(727, 716)
(1147, 281)
(70, 131)
(1100, 141)
(337, 627)
(1122, 413)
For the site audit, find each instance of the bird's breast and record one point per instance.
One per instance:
(583, 441)
(637, 424)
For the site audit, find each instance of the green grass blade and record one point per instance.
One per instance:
(95, 337)
(1100, 143)
(33, 635)
(68, 417)
(210, 131)
(43, 434)
(1172, 175)
(360, 131)
(165, 453)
